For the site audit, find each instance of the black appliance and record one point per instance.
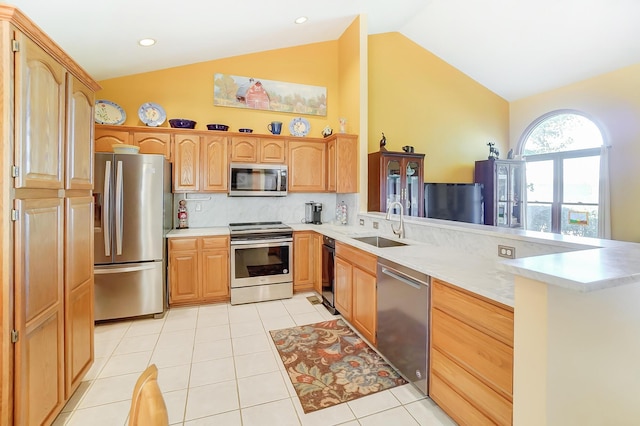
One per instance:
(313, 213)
(328, 276)
(461, 202)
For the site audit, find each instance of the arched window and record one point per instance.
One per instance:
(562, 154)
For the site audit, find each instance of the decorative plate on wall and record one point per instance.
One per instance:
(107, 112)
(299, 126)
(152, 114)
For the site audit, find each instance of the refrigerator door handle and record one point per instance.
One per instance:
(119, 212)
(106, 207)
(105, 271)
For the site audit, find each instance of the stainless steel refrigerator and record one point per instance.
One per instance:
(133, 213)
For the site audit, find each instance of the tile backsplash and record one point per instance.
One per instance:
(206, 210)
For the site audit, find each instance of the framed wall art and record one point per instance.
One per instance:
(256, 93)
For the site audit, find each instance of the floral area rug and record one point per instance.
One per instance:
(329, 364)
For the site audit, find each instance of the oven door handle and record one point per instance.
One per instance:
(262, 243)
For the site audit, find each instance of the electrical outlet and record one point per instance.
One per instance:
(361, 222)
(198, 207)
(375, 225)
(506, 251)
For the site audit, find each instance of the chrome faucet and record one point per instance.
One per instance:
(400, 231)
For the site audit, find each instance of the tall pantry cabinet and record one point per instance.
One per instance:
(46, 120)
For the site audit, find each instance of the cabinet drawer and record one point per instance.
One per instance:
(484, 316)
(484, 398)
(455, 405)
(183, 243)
(365, 261)
(215, 242)
(483, 356)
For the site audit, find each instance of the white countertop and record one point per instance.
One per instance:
(199, 232)
(615, 264)
(477, 275)
(583, 270)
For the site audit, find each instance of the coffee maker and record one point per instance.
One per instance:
(313, 213)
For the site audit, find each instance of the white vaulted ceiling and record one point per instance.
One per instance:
(515, 48)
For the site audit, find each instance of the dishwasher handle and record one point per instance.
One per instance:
(404, 278)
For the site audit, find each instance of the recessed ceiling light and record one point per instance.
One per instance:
(146, 42)
(301, 20)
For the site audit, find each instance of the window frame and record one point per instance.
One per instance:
(558, 187)
(557, 157)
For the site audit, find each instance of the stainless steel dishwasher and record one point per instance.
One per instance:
(403, 320)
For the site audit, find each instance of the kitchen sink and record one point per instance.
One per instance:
(380, 242)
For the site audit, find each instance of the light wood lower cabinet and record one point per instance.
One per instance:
(78, 290)
(198, 270)
(355, 288)
(39, 311)
(471, 363)
(307, 257)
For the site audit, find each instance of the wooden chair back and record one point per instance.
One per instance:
(147, 404)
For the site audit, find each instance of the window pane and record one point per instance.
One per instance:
(539, 217)
(563, 132)
(580, 180)
(540, 181)
(579, 220)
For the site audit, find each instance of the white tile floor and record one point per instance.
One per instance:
(218, 366)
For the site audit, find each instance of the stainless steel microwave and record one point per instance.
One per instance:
(257, 180)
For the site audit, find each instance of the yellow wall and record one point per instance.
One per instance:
(349, 77)
(613, 101)
(187, 91)
(417, 99)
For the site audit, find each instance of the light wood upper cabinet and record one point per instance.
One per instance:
(342, 164)
(272, 151)
(106, 137)
(153, 143)
(307, 165)
(244, 149)
(200, 163)
(39, 311)
(186, 163)
(253, 149)
(40, 117)
(79, 146)
(215, 175)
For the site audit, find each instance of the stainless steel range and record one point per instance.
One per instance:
(261, 261)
